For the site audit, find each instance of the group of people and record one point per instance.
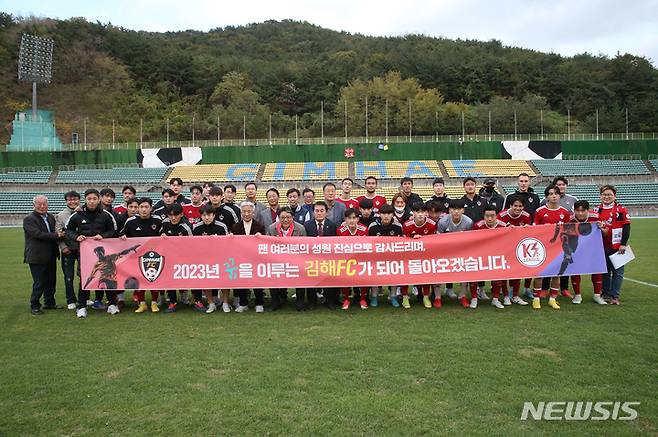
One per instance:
(213, 210)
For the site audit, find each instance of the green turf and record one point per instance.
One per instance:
(380, 371)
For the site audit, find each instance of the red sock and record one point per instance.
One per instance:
(154, 295)
(575, 281)
(516, 286)
(425, 289)
(536, 292)
(404, 290)
(474, 289)
(554, 292)
(346, 293)
(526, 282)
(363, 293)
(496, 286)
(140, 295)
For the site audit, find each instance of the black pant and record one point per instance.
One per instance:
(311, 297)
(68, 269)
(243, 295)
(44, 279)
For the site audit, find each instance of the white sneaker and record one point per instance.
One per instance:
(414, 290)
(81, 313)
(211, 308)
(517, 300)
(90, 302)
(482, 294)
(474, 303)
(495, 302)
(577, 299)
(71, 306)
(260, 309)
(507, 301)
(184, 298)
(241, 309)
(226, 308)
(113, 309)
(598, 299)
(450, 293)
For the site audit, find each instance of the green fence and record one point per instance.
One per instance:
(329, 152)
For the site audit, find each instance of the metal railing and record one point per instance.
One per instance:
(346, 140)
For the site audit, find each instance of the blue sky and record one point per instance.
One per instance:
(567, 27)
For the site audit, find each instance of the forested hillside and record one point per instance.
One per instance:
(285, 69)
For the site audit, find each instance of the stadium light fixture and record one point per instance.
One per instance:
(35, 62)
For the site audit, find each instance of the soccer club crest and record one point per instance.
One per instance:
(151, 265)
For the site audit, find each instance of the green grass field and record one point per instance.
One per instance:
(374, 372)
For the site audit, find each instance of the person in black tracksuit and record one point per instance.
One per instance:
(176, 225)
(489, 194)
(144, 225)
(92, 221)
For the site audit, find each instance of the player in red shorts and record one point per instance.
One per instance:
(551, 213)
(490, 221)
(516, 215)
(582, 214)
(419, 226)
(370, 184)
(352, 228)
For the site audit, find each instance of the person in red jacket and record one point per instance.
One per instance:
(352, 228)
(551, 213)
(616, 232)
(490, 221)
(418, 226)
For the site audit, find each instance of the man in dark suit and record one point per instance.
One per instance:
(41, 253)
(320, 226)
(248, 226)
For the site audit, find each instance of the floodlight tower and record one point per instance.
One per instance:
(35, 62)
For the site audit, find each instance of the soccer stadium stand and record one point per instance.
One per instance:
(654, 163)
(396, 169)
(116, 175)
(25, 177)
(635, 194)
(305, 171)
(606, 167)
(21, 202)
(487, 167)
(216, 172)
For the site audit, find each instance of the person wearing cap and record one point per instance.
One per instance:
(489, 194)
(440, 196)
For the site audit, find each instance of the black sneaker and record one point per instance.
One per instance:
(36, 312)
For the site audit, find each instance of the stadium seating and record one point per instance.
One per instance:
(396, 169)
(117, 175)
(21, 202)
(25, 177)
(557, 167)
(216, 172)
(636, 194)
(487, 167)
(305, 171)
(654, 163)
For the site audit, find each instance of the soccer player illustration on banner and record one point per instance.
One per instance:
(106, 266)
(569, 234)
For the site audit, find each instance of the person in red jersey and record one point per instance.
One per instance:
(346, 194)
(490, 221)
(128, 193)
(192, 210)
(551, 213)
(352, 228)
(616, 232)
(516, 215)
(370, 185)
(417, 227)
(582, 214)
